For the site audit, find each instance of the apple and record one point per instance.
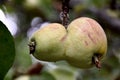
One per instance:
(47, 41)
(86, 43)
(83, 44)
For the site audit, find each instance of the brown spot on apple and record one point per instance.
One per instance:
(64, 37)
(89, 35)
(86, 43)
(85, 30)
(93, 24)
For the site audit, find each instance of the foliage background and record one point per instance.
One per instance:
(29, 15)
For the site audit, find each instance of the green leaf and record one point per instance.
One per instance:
(63, 74)
(46, 76)
(7, 50)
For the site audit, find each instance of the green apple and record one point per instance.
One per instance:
(48, 45)
(83, 44)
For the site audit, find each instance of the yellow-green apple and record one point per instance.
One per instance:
(86, 43)
(83, 44)
(47, 41)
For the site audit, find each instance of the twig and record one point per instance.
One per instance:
(113, 4)
(64, 15)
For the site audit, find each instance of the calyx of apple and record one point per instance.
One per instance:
(83, 44)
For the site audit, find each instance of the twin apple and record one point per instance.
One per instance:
(81, 44)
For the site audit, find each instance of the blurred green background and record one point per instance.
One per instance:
(23, 17)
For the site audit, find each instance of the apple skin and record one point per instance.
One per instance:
(86, 39)
(78, 44)
(48, 42)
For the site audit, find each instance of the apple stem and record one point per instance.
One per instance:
(32, 45)
(96, 61)
(64, 16)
